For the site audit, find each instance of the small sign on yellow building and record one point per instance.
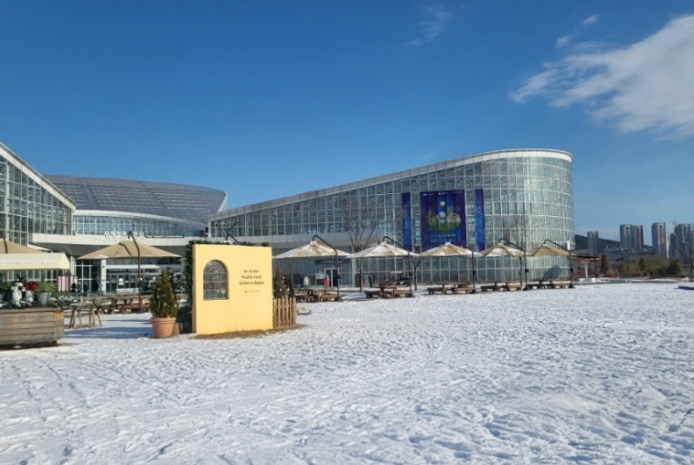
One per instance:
(232, 288)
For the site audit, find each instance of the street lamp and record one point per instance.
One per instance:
(139, 272)
(409, 261)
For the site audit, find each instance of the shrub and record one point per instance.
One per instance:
(163, 302)
(45, 287)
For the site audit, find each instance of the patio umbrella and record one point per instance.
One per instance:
(127, 249)
(501, 249)
(547, 250)
(310, 250)
(385, 250)
(34, 261)
(314, 249)
(452, 250)
(12, 247)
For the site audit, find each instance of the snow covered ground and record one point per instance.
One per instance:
(598, 374)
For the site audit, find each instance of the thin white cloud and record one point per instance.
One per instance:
(565, 40)
(646, 85)
(434, 22)
(592, 19)
(427, 156)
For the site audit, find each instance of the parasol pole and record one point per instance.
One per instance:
(571, 266)
(409, 260)
(474, 271)
(335, 261)
(139, 273)
(522, 260)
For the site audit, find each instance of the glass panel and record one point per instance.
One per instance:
(214, 281)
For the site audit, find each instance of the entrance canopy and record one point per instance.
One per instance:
(33, 261)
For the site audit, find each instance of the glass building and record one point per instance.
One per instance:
(114, 207)
(522, 195)
(117, 206)
(30, 203)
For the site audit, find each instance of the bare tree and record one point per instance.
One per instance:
(360, 223)
(516, 229)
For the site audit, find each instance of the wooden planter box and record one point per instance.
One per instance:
(31, 326)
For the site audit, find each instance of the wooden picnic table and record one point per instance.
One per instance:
(76, 315)
(129, 303)
(436, 289)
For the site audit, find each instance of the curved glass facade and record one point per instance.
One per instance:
(96, 224)
(524, 196)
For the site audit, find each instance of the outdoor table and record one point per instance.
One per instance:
(122, 303)
(76, 315)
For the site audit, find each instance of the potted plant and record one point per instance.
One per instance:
(43, 292)
(163, 307)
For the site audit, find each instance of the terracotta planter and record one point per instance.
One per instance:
(163, 327)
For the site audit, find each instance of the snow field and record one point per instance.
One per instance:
(597, 374)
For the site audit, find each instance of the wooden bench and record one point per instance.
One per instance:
(559, 284)
(373, 293)
(436, 290)
(457, 289)
(400, 292)
(513, 287)
(327, 296)
(489, 287)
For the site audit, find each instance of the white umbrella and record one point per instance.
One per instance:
(546, 250)
(385, 250)
(501, 249)
(34, 261)
(452, 250)
(310, 250)
(314, 249)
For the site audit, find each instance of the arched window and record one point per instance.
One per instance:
(214, 281)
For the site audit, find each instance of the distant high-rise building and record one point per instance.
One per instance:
(593, 247)
(682, 242)
(659, 235)
(631, 236)
(625, 236)
(637, 236)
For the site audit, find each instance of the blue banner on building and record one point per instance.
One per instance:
(442, 216)
(479, 220)
(406, 221)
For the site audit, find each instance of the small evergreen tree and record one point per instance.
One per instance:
(279, 287)
(163, 302)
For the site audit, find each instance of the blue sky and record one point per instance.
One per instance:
(266, 99)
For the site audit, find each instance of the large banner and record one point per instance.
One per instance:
(442, 216)
(406, 221)
(479, 220)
